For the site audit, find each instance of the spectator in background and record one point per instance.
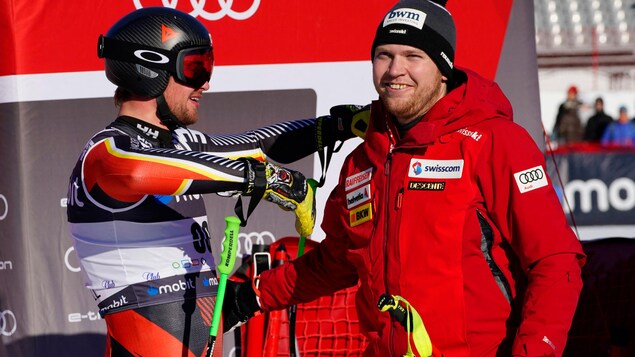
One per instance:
(620, 132)
(568, 126)
(597, 123)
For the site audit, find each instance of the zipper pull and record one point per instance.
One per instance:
(399, 199)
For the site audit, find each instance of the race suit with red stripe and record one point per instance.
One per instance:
(458, 217)
(135, 212)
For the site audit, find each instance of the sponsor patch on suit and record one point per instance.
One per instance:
(358, 196)
(531, 179)
(361, 214)
(358, 179)
(436, 169)
(426, 185)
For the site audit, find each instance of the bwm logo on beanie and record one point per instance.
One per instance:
(405, 16)
(422, 24)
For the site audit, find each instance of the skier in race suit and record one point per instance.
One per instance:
(137, 220)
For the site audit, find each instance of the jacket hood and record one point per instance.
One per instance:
(473, 100)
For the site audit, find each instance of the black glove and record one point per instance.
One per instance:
(396, 310)
(352, 120)
(240, 304)
(287, 188)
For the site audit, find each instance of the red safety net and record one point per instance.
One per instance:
(328, 326)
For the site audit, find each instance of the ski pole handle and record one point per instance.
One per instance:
(228, 254)
(225, 267)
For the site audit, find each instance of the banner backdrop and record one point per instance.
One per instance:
(597, 189)
(275, 60)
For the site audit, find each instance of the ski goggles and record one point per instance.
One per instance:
(192, 66)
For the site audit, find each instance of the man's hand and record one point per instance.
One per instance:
(240, 304)
(288, 189)
(352, 120)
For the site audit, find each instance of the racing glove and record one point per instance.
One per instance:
(344, 122)
(240, 304)
(287, 188)
(352, 120)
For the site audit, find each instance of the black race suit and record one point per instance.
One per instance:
(140, 229)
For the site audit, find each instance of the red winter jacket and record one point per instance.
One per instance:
(459, 218)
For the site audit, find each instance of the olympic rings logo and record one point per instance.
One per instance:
(199, 9)
(531, 176)
(8, 323)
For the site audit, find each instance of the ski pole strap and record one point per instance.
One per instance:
(407, 316)
(257, 191)
(324, 152)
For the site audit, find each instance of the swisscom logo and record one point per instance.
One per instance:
(440, 169)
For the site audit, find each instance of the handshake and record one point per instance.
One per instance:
(287, 188)
(290, 189)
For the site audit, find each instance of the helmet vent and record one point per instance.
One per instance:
(144, 71)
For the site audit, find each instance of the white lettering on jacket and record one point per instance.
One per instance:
(358, 179)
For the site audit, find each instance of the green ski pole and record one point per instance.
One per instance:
(293, 308)
(227, 260)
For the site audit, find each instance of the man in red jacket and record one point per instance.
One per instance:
(447, 205)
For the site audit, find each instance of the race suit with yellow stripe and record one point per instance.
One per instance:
(457, 216)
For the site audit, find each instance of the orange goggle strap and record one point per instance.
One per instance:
(423, 345)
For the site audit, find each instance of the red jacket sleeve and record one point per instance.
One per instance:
(550, 303)
(522, 203)
(325, 269)
(322, 271)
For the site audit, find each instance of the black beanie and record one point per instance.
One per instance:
(423, 24)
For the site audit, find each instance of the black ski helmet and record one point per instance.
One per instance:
(145, 47)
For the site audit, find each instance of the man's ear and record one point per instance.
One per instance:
(444, 79)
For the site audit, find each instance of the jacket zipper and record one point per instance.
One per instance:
(386, 228)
